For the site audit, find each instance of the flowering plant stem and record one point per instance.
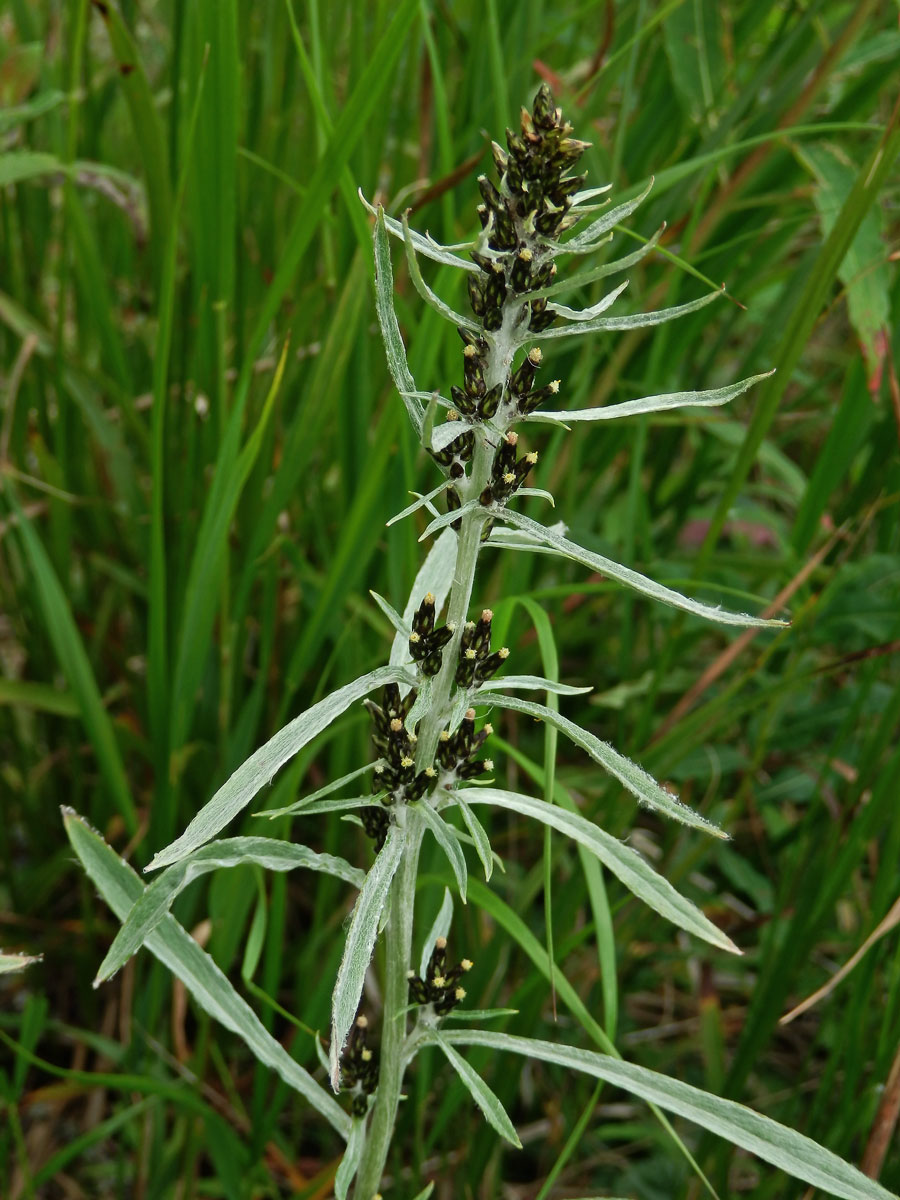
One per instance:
(397, 953)
(398, 934)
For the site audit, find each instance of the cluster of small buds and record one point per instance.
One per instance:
(531, 204)
(396, 772)
(455, 455)
(521, 384)
(440, 986)
(474, 399)
(457, 752)
(425, 642)
(534, 171)
(508, 473)
(476, 662)
(359, 1068)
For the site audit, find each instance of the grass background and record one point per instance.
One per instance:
(185, 552)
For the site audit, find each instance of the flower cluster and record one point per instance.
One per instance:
(476, 662)
(426, 642)
(359, 1067)
(395, 772)
(457, 753)
(440, 987)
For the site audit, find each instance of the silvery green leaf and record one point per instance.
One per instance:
(448, 841)
(237, 792)
(784, 1148)
(391, 613)
(494, 1112)
(420, 501)
(159, 897)
(390, 330)
(632, 579)
(425, 1192)
(436, 245)
(531, 683)
(611, 218)
(435, 576)
(479, 836)
(360, 942)
(583, 278)
(641, 785)
(300, 805)
(16, 962)
(539, 493)
(632, 321)
(425, 245)
(445, 434)
(517, 539)
(709, 398)
(324, 806)
(624, 862)
(439, 929)
(448, 518)
(421, 704)
(346, 1172)
(121, 888)
(588, 314)
(467, 840)
(582, 198)
(428, 421)
(599, 273)
(431, 298)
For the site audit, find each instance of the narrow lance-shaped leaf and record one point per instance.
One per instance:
(784, 1148)
(711, 398)
(531, 683)
(324, 806)
(560, 545)
(424, 244)
(582, 198)
(588, 314)
(624, 862)
(421, 500)
(641, 785)
(540, 493)
(479, 836)
(430, 297)
(350, 1162)
(609, 220)
(631, 321)
(387, 319)
(319, 794)
(446, 838)
(360, 943)
(583, 278)
(121, 888)
(255, 773)
(439, 929)
(448, 518)
(16, 962)
(159, 897)
(489, 1103)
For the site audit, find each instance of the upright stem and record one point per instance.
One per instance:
(398, 949)
(398, 935)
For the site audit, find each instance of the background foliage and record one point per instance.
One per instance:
(185, 551)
